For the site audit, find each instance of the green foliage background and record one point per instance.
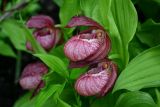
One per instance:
(135, 48)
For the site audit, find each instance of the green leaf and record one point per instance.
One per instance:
(25, 101)
(58, 51)
(15, 33)
(55, 63)
(87, 8)
(149, 33)
(53, 78)
(141, 72)
(69, 9)
(136, 47)
(158, 97)
(106, 101)
(135, 99)
(59, 2)
(104, 8)
(70, 96)
(18, 34)
(46, 93)
(6, 50)
(122, 26)
(76, 72)
(61, 103)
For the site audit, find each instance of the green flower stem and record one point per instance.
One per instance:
(18, 66)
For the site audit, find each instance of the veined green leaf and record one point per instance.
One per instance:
(122, 27)
(142, 72)
(135, 99)
(55, 63)
(87, 8)
(69, 9)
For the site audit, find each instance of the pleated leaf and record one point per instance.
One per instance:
(142, 72)
(135, 99)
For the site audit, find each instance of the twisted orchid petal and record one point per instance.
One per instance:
(83, 21)
(32, 75)
(97, 81)
(40, 21)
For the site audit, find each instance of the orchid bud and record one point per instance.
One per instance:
(97, 81)
(89, 45)
(32, 75)
(45, 32)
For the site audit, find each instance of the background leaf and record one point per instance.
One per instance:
(141, 72)
(149, 33)
(15, 33)
(69, 9)
(149, 9)
(59, 2)
(6, 50)
(106, 101)
(135, 99)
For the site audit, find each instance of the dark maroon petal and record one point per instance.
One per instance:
(83, 21)
(78, 64)
(40, 21)
(32, 75)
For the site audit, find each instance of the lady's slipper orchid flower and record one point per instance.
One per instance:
(45, 32)
(89, 45)
(31, 77)
(97, 81)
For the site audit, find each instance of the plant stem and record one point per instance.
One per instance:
(76, 96)
(18, 67)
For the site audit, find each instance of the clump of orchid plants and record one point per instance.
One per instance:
(90, 47)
